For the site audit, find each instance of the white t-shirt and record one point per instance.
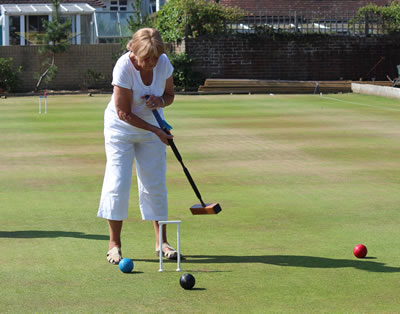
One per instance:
(125, 75)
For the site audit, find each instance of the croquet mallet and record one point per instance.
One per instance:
(196, 209)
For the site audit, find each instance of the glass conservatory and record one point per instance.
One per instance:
(21, 23)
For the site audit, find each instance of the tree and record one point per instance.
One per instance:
(140, 19)
(54, 41)
(389, 16)
(178, 19)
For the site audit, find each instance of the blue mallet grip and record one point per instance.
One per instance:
(159, 120)
(162, 123)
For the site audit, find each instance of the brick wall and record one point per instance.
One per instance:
(305, 58)
(340, 6)
(302, 58)
(72, 65)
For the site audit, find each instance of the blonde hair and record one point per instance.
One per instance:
(146, 43)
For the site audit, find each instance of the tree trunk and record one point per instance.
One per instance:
(44, 74)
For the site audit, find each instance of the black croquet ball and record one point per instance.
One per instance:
(187, 281)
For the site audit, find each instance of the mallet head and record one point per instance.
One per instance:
(209, 209)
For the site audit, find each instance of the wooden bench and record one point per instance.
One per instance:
(245, 86)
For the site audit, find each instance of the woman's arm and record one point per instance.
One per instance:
(123, 101)
(169, 94)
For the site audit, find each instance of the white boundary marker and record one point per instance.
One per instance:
(360, 104)
(45, 103)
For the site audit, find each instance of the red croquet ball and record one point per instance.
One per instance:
(360, 251)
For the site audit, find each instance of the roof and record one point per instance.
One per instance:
(45, 9)
(93, 3)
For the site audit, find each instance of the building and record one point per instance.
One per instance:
(93, 21)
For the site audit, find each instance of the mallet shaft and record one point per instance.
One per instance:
(178, 156)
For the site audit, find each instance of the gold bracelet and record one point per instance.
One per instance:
(163, 101)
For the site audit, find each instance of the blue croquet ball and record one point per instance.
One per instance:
(187, 281)
(126, 265)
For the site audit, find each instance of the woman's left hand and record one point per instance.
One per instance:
(153, 102)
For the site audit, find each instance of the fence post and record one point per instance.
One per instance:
(186, 26)
(366, 24)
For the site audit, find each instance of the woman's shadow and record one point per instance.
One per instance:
(296, 261)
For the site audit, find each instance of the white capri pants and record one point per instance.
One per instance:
(150, 155)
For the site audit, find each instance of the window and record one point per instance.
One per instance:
(123, 4)
(114, 6)
(152, 6)
(86, 29)
(119, 5)
(33, 27)
(15, 30)
(35, 23)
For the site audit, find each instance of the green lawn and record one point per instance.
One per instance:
(301, 180)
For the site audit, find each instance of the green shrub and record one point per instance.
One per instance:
(185, 79)
(389, 15)
(91, 79)
(180, 18)
(139, 20)
(9, 75)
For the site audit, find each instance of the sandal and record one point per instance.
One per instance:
(114, 256)
(170, 254)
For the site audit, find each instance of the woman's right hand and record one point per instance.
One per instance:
(164, 137)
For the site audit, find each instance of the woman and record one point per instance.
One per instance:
(131, 132)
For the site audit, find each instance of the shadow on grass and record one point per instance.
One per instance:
(134, 273)
(30, 234)
(295, 261)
